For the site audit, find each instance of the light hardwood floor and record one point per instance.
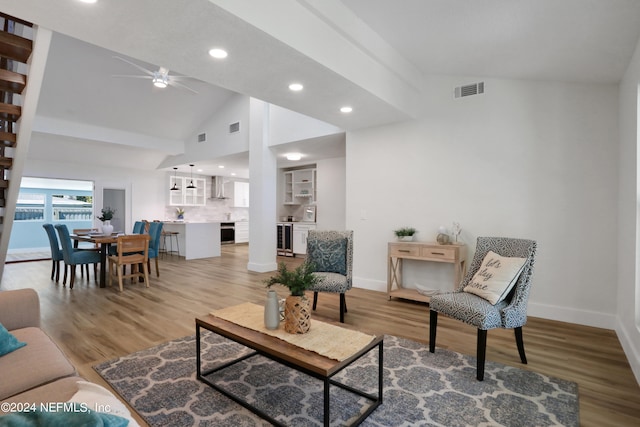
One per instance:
(93, 325)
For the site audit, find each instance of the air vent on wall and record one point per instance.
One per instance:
(468, 90)
(202, 137)
(234, 127)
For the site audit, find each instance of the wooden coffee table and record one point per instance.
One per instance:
(295, 357)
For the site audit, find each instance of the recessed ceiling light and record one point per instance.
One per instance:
(220, 166)
(293, 156)
(198, 170)
(296, 87)
(88, 1)
(346, 109)
(218, 53)
(233, 174)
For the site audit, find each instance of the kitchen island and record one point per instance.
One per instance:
(195, 239)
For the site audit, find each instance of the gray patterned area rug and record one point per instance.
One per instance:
(420, 389)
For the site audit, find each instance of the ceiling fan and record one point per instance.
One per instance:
(160, 78)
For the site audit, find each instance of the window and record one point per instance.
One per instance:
(71, 207)
(30, 207)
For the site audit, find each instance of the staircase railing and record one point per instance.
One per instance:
(15, 52)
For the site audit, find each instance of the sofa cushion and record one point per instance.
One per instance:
(8, 342)
(57, 391)
(39, 362)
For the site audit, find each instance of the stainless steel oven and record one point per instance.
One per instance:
(227, 233)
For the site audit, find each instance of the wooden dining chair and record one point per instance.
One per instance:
(131, 250)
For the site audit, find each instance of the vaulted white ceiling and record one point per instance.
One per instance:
(370, 54)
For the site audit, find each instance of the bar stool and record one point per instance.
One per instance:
(172, 236)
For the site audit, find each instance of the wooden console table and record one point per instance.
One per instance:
(422, 251)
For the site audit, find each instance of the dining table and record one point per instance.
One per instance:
(104, 241)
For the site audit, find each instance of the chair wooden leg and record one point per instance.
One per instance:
(157, 268)
(95, 272)
(315, 300)
(73, 276)
(481, 353)
(58, 270)
(64, 279)
(53, 269)
(433, 324)
(120, 279)
(343, 307)
(520, 344)
(145, 271)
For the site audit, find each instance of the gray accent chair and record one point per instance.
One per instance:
(331, 252)
(478, 312)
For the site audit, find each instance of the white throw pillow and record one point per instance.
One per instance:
(496, 276)
(98, 398)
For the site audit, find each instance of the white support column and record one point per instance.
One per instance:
(263, 177)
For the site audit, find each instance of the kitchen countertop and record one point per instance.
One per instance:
(295, 222)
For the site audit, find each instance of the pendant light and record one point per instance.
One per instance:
(191, 183)
(175, 181)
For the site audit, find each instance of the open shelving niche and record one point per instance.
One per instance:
(300, 187)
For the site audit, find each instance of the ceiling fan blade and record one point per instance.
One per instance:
(132, 77)
(144, 70)
(180, 85)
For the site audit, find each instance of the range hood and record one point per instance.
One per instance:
(217, 188)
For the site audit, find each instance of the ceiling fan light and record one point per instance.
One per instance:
(160, 82)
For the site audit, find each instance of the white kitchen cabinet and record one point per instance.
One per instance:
(300, 233)
(300, 187)
(242, 231)
(240, 194)
(184, 196)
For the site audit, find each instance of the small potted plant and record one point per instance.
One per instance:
(297, 316)
(405, 233)
(106, 217)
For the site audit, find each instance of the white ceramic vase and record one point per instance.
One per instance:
(272, 311)
(107, 228)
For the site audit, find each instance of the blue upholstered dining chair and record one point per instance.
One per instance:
(331, 253)
(73, 257)
(155, 232)
(511, 312)
(56, 252)
(138, 227)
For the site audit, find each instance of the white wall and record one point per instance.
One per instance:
(331, 194)
(287, 126)
(526, 159)
(219, 142)
(145, 189)
(628, 288)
